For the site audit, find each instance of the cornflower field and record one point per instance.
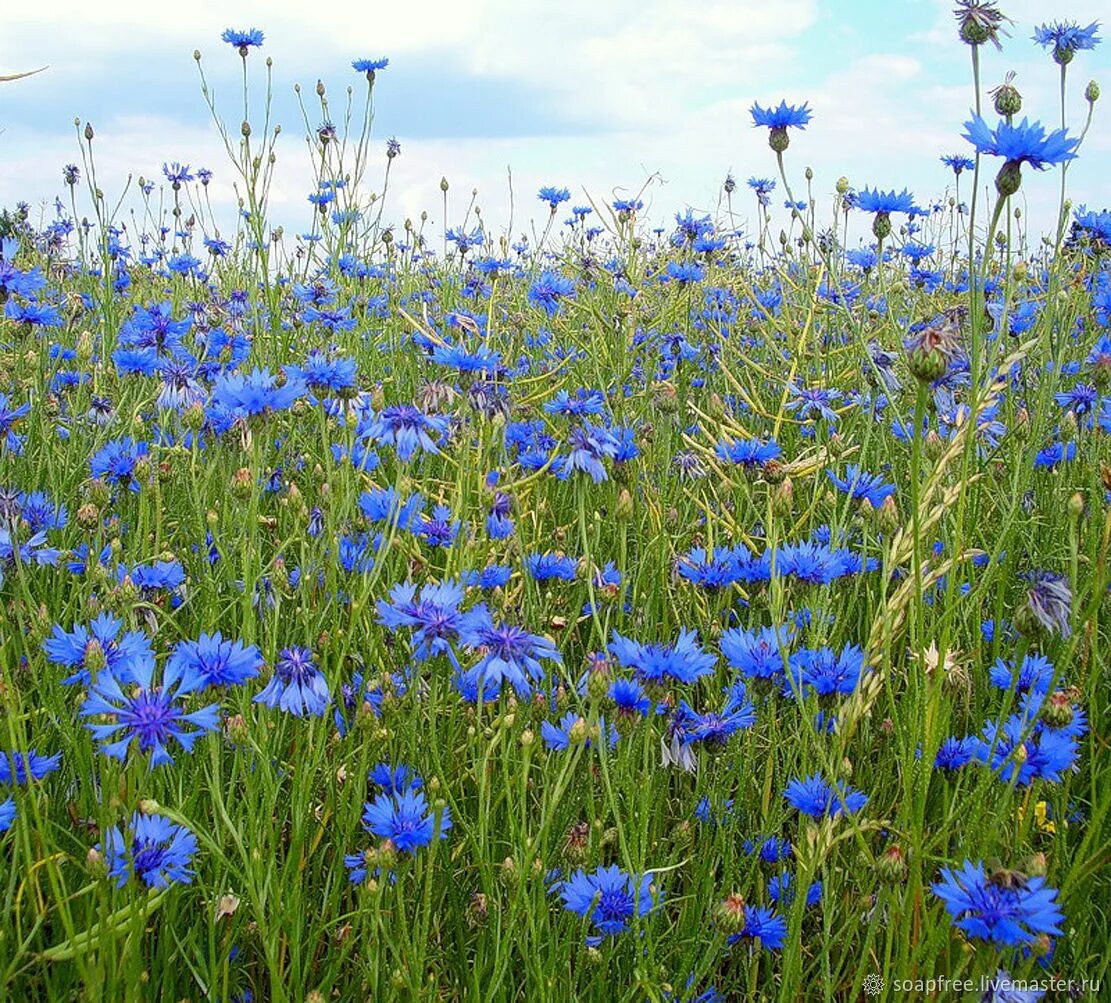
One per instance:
(624, 612)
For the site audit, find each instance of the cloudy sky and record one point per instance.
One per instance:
(596, 95)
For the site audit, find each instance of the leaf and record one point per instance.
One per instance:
(20, 76)
(81, 942)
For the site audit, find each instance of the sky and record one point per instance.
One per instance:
(603, 97)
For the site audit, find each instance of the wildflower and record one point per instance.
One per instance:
(757, 654)
(957, 163)
(824, 671)
(544, 567)
(1066, 38)
(394, 779)
(242, 40)
(549, 290)
(102, 645)
(213, 661)
(434, 618)
(10, 416)
(1005, 912)
(714, 727)
(779, 120)
(1026, 143)
(748, 452)
(954, 753)
(1021, 752)
(408, 430)
(1001, 988)
(151, 850)
(763, 925)
(590, 444)
(256, 393)
(21, 768)
(629, 698)
(118, 462)
(369, 66)
(609, 898)
(933, 346)
(573, 729)
(553, 196)
(883, 204)
(7, 814)
(816, 797)
(406, 820)
(684, 661)
(150, 714)
(980, 21)
(1048, 604)
(506, 652)
(861, 486)
(297, 685)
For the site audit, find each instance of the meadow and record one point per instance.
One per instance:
(683, 612)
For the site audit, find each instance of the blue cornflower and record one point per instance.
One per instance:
(1066, 38)
(629, 698)
(21, 768)
(715, 727)
(499, 525)
(779, 120)
(100, 645)
(7, 814)
(748, 452)
(324, 374)
(1081, 399)
(874, 200)
(150, 714)
(684, 661)
(242, 40)
(177, 174)
(957, 163)
(764, 925)
(824, 671)
(117, 462)
(609, 898)
(1025, 143)
(256, 393)
(544, 567)
(862, 486)
(956, 752)
(1034, 674)
(549, 290)
(213, 661)
(152, 850)
(560, 737)
(506, 652)
(581, 403)
(757, 654)
(817, 798)
(408, 429)
(394, 779)
(782, 892)
(406, 820)
(683, 272)
(808, 401)
(10, 416)
(1021, 752)
(439, 529)
(553, 196)
(434, 618)
(1005, 913)
(590, 445)
(369, 66)
(1055, 454)
(297, 685)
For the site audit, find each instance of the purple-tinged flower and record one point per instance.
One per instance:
(151, 714)
(297, 685)
(152, 850)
